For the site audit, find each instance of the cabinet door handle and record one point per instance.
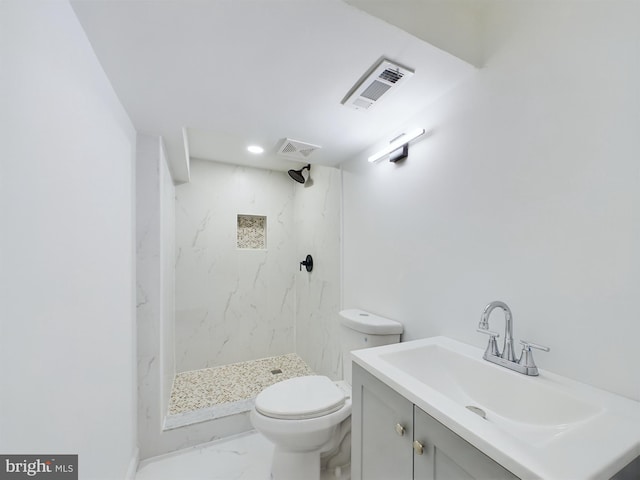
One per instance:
(418, 447)
(400, 429)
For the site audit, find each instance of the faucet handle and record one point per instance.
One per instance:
(529, 345)
(486, 331)
(526, 357)
(492, 346)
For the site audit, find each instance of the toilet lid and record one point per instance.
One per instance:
(301, 397)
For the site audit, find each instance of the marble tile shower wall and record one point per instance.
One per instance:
(167, 234)
(155, 284)
(317, 230)
(233, 304)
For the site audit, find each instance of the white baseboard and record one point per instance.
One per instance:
(133, 465)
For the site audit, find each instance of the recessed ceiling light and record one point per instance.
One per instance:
(255, 149)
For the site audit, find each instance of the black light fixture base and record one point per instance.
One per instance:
(399, 154)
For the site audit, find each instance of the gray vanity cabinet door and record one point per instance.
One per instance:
(381, 430)
(447, 456)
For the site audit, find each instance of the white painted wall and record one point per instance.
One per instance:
(232, 304)
(527, 191)
(317, 232)
(453, 25)
(66, 247)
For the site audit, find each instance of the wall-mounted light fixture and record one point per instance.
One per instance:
(398, 148)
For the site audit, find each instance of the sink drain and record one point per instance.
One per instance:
(477, 411)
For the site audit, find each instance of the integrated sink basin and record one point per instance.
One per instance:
(533, 410)
(537, 427)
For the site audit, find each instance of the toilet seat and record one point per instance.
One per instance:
(300, 398)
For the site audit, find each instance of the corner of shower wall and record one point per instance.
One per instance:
(317, 224)
(148, 287)
(167, 278)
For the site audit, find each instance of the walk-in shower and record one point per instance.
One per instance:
(236, 266)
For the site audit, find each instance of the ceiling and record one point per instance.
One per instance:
(219, 75)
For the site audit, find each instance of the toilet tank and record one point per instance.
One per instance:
(360, 329)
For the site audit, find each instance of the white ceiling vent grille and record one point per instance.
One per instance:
(384, 77)
(296, 149)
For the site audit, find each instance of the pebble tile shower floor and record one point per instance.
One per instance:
(198, 389)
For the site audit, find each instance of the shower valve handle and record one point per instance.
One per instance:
(308, 263)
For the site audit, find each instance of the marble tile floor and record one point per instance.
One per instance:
(242, 457)
(201, 389)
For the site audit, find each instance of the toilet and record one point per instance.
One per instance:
(308, 419)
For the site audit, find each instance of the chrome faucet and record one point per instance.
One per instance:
(525, 364)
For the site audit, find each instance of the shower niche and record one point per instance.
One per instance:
(251, 232)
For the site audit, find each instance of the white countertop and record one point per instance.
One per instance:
(592, 438)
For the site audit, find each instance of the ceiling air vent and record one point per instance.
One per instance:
(296, 149)
(384, 77)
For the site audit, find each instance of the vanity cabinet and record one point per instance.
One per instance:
(381, 430)
(394, 439)
(442, 454)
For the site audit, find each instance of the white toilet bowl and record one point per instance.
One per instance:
(309, 418)
(304, 417)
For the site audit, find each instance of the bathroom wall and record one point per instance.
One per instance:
(67, 327)
(317, 232)
(526, 191)
(233, 304)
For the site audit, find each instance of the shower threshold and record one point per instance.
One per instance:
(201, 395)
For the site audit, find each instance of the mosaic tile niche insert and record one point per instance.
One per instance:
(252, 231)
